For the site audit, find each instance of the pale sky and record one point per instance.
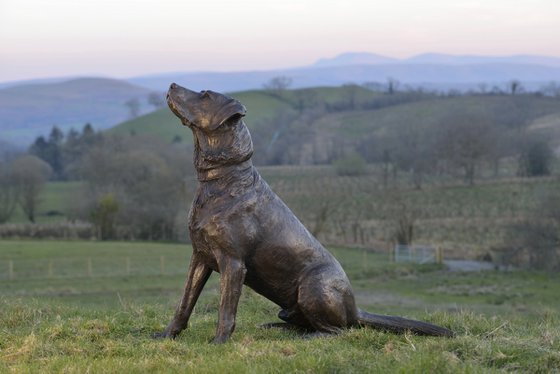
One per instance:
(123, 38)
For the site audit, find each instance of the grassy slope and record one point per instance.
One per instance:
(427, 113)
(260, 107)
(504, 321)
(166, 125)
(355, 124)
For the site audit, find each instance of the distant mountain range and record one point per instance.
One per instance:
(365, 58)
(30, 108)
(430, 70)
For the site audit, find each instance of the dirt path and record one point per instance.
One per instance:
(468, 265)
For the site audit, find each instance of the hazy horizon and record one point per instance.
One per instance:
(64, 38)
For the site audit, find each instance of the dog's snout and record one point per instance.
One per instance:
(173, 86)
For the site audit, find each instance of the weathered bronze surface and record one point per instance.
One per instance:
(242, 230)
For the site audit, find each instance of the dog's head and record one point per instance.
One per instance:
(221, 137)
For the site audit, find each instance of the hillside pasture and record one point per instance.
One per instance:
(262, 107)
(505, 321)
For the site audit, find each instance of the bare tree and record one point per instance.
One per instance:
(133, 106)
(30, 173)
(277, 85)
(465, 140)
(514, 86)
(403, 217)
(8, 192)
(414, 151)
(392, 85)
(156, 99)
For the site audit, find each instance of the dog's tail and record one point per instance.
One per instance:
(400, 325)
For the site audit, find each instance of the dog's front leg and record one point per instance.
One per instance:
(232, 273)
(197, 276)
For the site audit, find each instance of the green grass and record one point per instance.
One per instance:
(505, 321)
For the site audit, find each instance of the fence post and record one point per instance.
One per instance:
(162, 264)
(439, 255)
(128, 266)
(10, 269)
(89, 268)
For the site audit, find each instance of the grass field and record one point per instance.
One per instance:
(72, 320)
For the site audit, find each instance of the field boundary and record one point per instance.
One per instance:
(89, 267)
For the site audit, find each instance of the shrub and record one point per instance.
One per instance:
(350, 165)
(59, 230)
(535, 159)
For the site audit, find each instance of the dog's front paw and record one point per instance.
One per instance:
(166, 334)
(219, 340)
(161, 335)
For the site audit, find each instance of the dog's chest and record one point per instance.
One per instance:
(222, 223)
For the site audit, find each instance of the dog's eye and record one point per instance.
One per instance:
(230, 121)
(204, 94)
(233, 119)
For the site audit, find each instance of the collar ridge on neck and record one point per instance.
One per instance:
(222, 171)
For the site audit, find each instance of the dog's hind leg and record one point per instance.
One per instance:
(232, 276)
(327, 303)
(197, 276)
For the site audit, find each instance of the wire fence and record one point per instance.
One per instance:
(421, 254)
(90, 267)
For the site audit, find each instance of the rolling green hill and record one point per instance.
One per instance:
(527, 110)
(262, 106)
(164, 124)
(349, 122)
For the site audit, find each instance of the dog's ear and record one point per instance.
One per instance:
(231, 109)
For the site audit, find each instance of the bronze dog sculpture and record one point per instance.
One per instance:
(242, 230)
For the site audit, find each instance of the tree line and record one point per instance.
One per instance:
(460, 142)
(134, 187)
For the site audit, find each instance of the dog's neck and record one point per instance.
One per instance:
(235, 171)
(224, 154)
